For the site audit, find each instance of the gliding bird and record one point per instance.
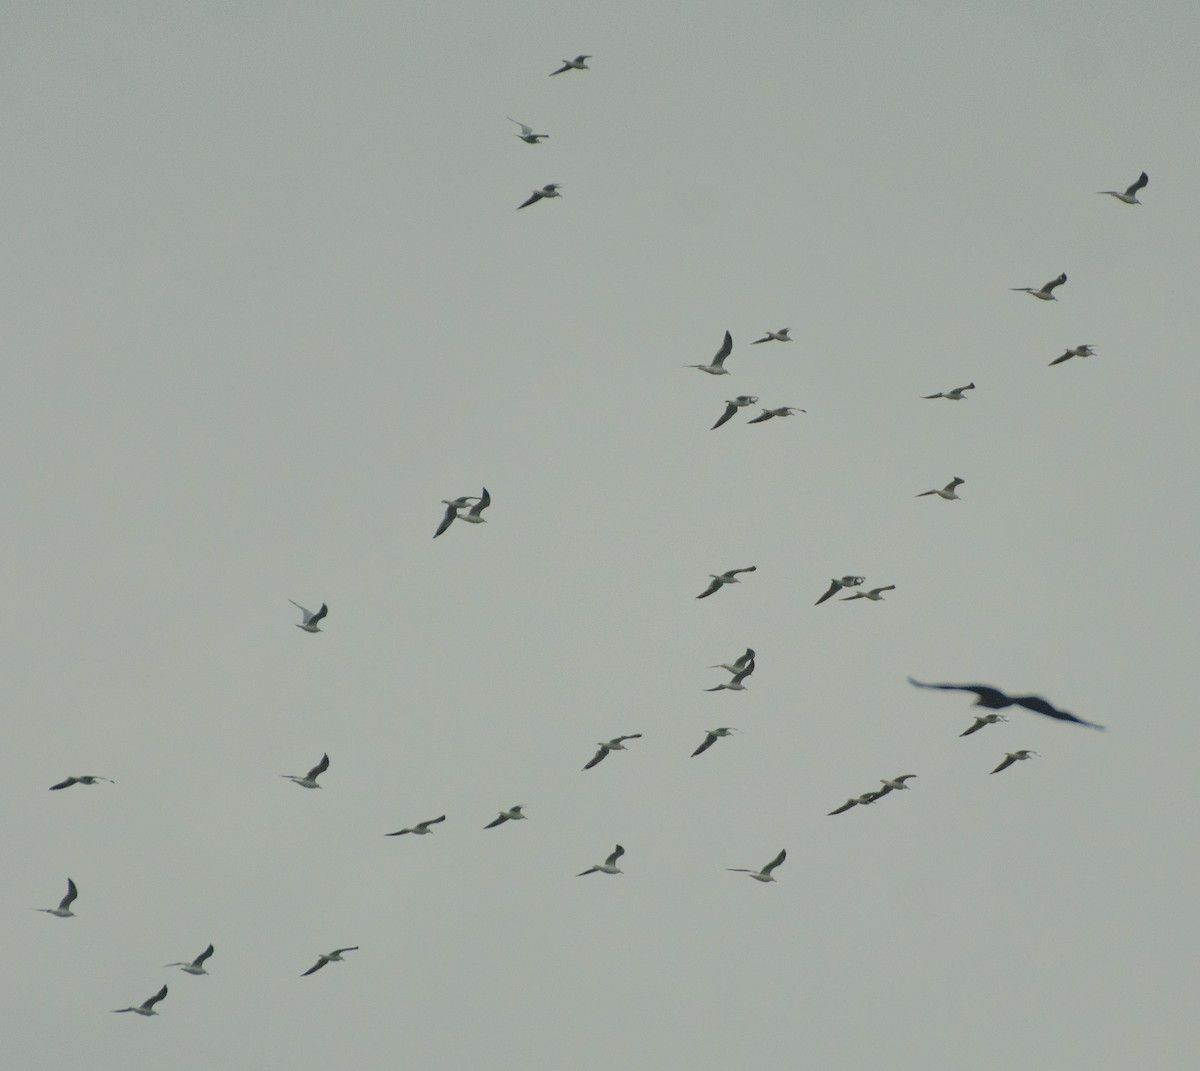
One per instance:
(765, 873)
(1046, 292)
(196, 966)
(86, 779)
(63, 911)
(147, 1006)
(945, 492)
(854, 801)
(527, 135)
(775, 336)
(711, 738)
(1013, 756)
(729, 577)
(309, 780)
(732, 406)
(420, 829)
(576, 64)
(472, 516)
(1075, 351)
(783, 410)
(453, 505)
(875, 594)
(615, 744)
(955, 395)
(549, 190)
(333, 957)
(736, 685)
(309, 624)
(609, 866)
(981, 720)
(512, 814)
(837, 584)
(738, 664)
(1129, 197)
(716, 367)
(994, 699)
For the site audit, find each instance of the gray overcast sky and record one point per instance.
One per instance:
(267, 300)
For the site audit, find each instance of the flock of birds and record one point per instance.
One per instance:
(469, 509)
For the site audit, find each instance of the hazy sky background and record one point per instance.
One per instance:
(267, 300)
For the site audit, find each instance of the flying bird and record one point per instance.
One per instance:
(1129, 197)
(1074, 351)
(1013, 756)
(981, 720)
(716, 367)
(729, 577)
(994, 699)
(765, 873)
(738, 664)
(837, 584)
(875, 594)
(549, 190)
(735, 684)
(947, 491)
(711, 738)
(453, 505)
(732, 407)
(196, 966)
(333, 957)
(955, 395)
(774, 336)
(310, 622)
(309, 780)
(617, 743)
(512, 814)
(63, 911)
(575, 64)
(86, 779)
(767, 414)
(420, 829)
(893, 785)
(147, 1006)
(854, 801)
(609, 866)
(527, 135)
(472, 516)
(1046, 292)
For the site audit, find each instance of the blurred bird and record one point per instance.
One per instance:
(512, 814)
(767, 414)
(765, 873)
(729, 577)
(615, 744)
(333, 957)
(196, 966)
(63, 911)
(420, 829)
(527, 135)
(875, 594)
(716, 367)
(893, 785)
(738, 664)
(472, 516)
(994, 699)
(774, 336)
(837, 584)
(549, 190)
(1013, 756)
(1129, 197)
(1045, 293)
(981, 720)
(947, 491)
(147, 1006)
(1075, 351)
(453, 505)
(711, 738)
(576, 64)
(86, 779)
(955, 395)
(609, 866)
(855, 801)
(309, 780)
(309, 624)
(736, 685)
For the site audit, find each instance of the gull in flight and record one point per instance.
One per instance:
(1129, 197)
(527, 135)
(420, 829)
(86, 779)
(955, 395)
(333, 957)
(549, 190)
(1013, 756)
(1046, 292)
(854, 801)
(875, 594)
(1075, 351)
(736, 685)
(309, 780)
(147, 1006)
(994, 699)
(617, 743)
(767, 414)
(765, 873)
(310, 622)
(894, 785)
(513, 813)
(453, 505)
(983, 719)
(472, 516)
(732, 406)
(575, 64)
(729, 577)
(947, 491)
(63, 911)
(738, 664)
(837, 584)
(774, 336)
(711, 738)
(716, 367)
(609, 866)
(197, 965)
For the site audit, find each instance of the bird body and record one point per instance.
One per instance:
(1045, 293)
(310, 622)
(738, 664)
(473, 515)
(196, 966)
(855, 801)
(1129, 196)
(716, 367)
(309, 780)
(894, 784)
(453, 505)
(609, 866)
(729, 577)
(764, 874)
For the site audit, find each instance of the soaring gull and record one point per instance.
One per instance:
(86, 779)
(512, 814)
(196, 966)
(732, 406)
(63, 911)
(947, 491)
(1074, 351)
(420, 829)
(837, 584)
(617, 743)
(549, 190)
(332, 957)
(1013, 756)
(609, 866)
(309, 780)
(711, 738)
(765, 873)
(955, 395)
(1129, 197)
(1046, 292)
(527, 135)
(575, 64)
(716, 367)
(147, 1006)
(775, 336)
(310, 622)
(729, 577)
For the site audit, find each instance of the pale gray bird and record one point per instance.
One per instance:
(1129, 197)
(86, 779)
(147, 1006)
(732, 407)
(609, 866)
(196, 966)
(527, 135)
(1013, 756)
(1046, 292)
(729, 577)
(615, 744)
(768, 414)
(512, 814)
(453, 505)
(947, 491)
(311, 620)
(738, 664)
(420, 829)
(1074, 351)
(711, 738)
(63, 911)
(875, 594)
(983, 719)
(855, 801)
(775, 336)
(955, 395)
(765, 873)
(472, 516)
(893, 785)
(735, 684)
(575, 64)
(716, 367)
(837, 584)
(332, 957)
(549, 190)
(309, 780)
